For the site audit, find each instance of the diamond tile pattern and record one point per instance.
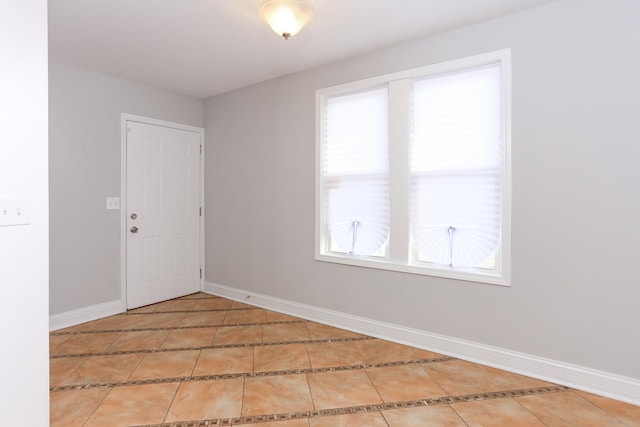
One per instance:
(202, 360)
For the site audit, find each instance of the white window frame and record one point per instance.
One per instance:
(400, 255)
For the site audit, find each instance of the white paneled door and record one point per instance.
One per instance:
(162, 213)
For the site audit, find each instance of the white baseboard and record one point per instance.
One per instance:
(85, 314)
(598, 382)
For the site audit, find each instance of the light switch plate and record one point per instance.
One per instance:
(113, 203)
(15, 212)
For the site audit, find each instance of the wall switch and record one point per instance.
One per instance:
(113, 203)
(15, 211)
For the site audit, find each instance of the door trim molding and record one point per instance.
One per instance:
(124, 118)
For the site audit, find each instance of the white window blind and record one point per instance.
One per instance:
(456, 146)
(355, 172)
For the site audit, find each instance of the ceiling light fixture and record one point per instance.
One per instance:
(286, 17)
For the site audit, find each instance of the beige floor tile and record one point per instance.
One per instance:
(118, 322)
(426, 416)
(368, 419)
(203, 400)
(144, 309)
(245, 316)
(170, 364)
(285, 332)
(332, 354)
(57, 340)
(115, 322)
(319, 331)
(86, 343)
(458, 377)
(139, 340)
(83, 327)
(281, 358)
(198, 295)
(213, 304)
(177, 305)
(240, 305)
(104, 369)
(160, 320)
(426, 354)
(274, 316)
(73, 407)
(567, 409)
(274, 395)
(380, 351)
(238, 335)
(218, 361)
(496, 413)
(184, 338)
(625, 412)
(61, 368)
(134, 405)
(399, 383)
(204, 318)
(287, 423)
(343, 388)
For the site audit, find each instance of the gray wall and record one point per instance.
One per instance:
(84, 136)
(574, 295)
(24, 249)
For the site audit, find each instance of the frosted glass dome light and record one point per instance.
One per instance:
(286, 17)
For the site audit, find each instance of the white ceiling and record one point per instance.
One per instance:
(205, 47)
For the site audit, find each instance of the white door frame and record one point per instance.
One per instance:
(124, 118)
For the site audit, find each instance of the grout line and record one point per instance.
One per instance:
(96, 408)
(243, 375)
(171, 328)
(209, 347)
(166, 414)
(202, 310)
(527, 410)
(306, 415)
(460, 416)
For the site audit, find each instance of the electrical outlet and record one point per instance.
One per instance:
(15, 211)
(113, 203)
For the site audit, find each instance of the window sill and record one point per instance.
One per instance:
(443, 272)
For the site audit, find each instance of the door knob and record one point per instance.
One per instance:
(134, 229)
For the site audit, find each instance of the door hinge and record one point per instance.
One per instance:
(201, 273)
(201, 149)
(200, 210)
(128, 129)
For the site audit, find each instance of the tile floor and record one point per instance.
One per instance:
(202, 360)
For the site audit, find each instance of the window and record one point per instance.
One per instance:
(413, 171)
(356, 172)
